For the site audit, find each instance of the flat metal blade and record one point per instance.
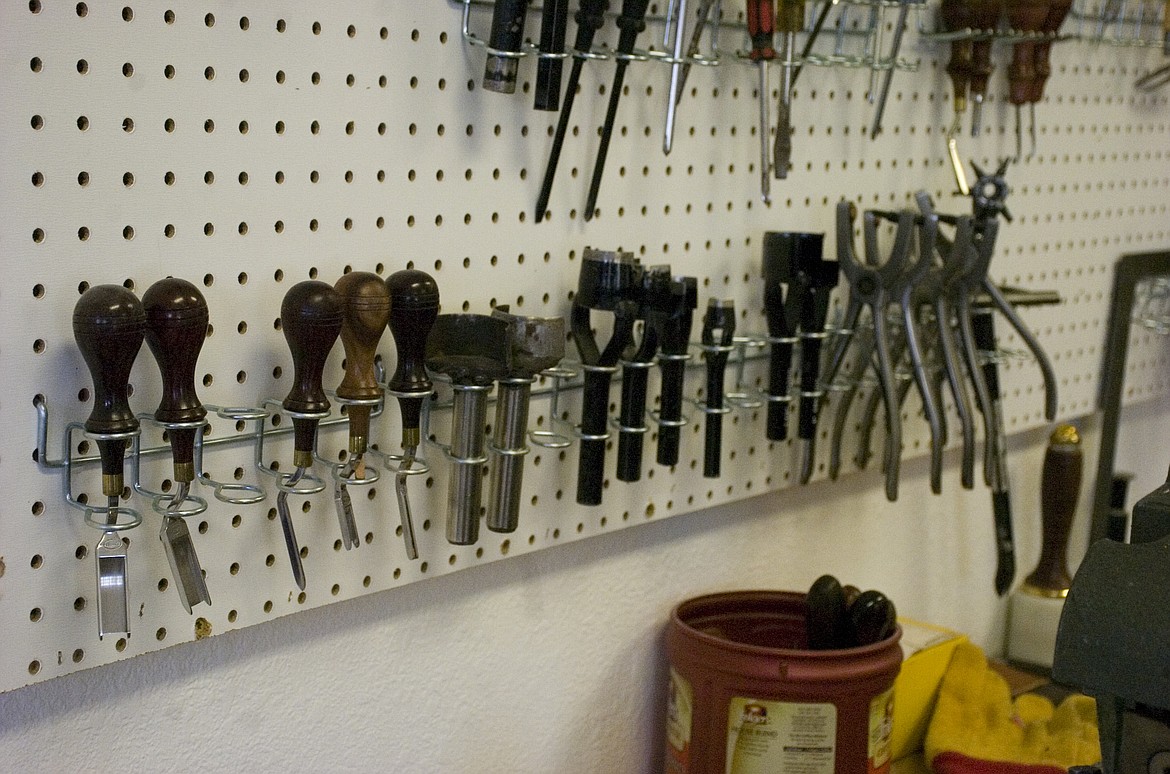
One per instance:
(113, 615)
(344, 505)
(185, 567)
(290, 540)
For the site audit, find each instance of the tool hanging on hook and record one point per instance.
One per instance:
(590, 17)
(554, 17)
(414, 305)
(504, 44)
(676, 23)
(310, 316)
(1027, 16)
(761, 23)
(957, 16)
(718, 337)
(473, 350)
(654, 303)
(674, 333)
(608, 282)
(366, 304)
(631, 21)
(535, 343)
(109, 325)
(789, 21)
(984, 18)
(176, 327)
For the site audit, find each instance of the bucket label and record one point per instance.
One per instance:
(764, 737)
(679, 704)
(881, 727)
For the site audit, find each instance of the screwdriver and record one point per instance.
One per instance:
(590, 17)
(176, 326)
(984, 17)
(109, 324)
(414, 305)
(899, 30)
(554, 18)
(789, 20)
(676, 15)
(504, 42)
(310, 316)
(366, 308)
(701, 21)
(1023, 16)
(718, 334)
(761, 23)
(983, 326)
(631, 21)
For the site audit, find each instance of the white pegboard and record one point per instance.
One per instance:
(246, 146)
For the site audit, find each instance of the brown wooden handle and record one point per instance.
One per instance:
(1057, 11)
(1060, 487)
(984, 16)
(310, 317)
(366, 301)
(1025, 16)
(108, 325)
(414, 305)
(176, 326)
(955, 16)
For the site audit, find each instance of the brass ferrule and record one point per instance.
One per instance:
(960, 103)
(411, 437)
(1065, 435)
(184, 472)
(357, 444)
(303, 459)
(1036, 591)
(112, 484)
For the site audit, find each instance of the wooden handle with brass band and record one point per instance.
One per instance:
(1060, 487)
(310, 317)
(176, 327)
(366, 311)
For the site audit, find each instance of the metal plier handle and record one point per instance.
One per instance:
(906, 291)
(870, 285)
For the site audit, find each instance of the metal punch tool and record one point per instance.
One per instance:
(871, 285)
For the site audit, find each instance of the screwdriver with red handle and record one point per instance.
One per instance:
(761, 22)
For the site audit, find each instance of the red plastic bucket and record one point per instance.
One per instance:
(747, 697)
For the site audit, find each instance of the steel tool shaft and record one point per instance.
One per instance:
(984, 18)
(473, 349)
(761, 22)
(676, 18)
(655, 302)
(534, 343)
(414, 305)
(109, 324)
(789, 20)
(176, 327)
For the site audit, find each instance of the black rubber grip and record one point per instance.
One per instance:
(983, 325)
(713, 431)
(553, 23)
(594, 421)
(779, 365)
(670, 410)
(810, 361)
(632, 414)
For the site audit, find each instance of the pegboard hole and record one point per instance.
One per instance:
(163, 583)
(268, 606)
(37, 122)
(82, 10)
(36, 561)
(83, 233)
(35, 64)
(209, 20)
(244, 23)
(34, 667)
(78, 655)
(127, 124)
(79, 604)
(34, 6)
(34, 615)
(127, 69)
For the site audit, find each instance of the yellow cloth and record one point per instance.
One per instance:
(975, 716)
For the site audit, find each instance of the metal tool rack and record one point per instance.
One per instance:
(246, 146)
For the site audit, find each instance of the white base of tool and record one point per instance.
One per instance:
(1032, 623)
